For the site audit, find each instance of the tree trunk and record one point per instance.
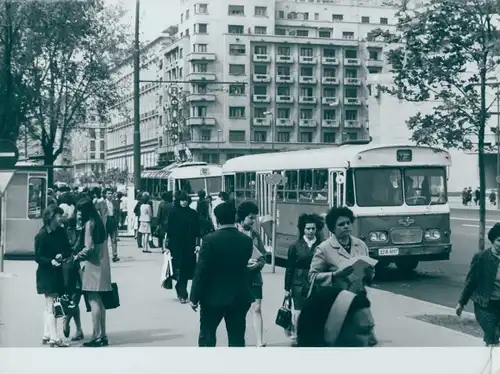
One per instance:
(49, 162)
(7, 112)
(482, 177)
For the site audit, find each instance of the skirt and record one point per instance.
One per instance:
(256, 292)
(145, 227)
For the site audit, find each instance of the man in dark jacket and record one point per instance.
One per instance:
(220, 283)
(164, 210)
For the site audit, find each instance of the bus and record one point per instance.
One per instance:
(397, 193)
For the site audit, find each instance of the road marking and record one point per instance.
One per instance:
(476, 226)
(472, 219)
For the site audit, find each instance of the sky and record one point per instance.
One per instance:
(156, 15)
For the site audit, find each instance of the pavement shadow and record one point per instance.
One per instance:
(392, 274)
(138, 337)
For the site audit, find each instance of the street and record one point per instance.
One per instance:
(441, 282)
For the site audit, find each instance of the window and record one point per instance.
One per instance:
(102, 145)
(236, 112)
(386, 188)
(337, 17)
(210, 158)
(303, 33)
(260, 90)
(365, 19)
(329, 72)
(260, 69)
(328, 52)
(351, 92)
(201, 8)
(37, 197)
(237, 49)
(259, 112)
(200, 68)
(260, 136)
(306, 52)
(92, 133)
(236, 10)
(284, 70)
(328, 137)
(92, 155)
(352, 136)
(278, 31)
(351, 53)
(305, 137)
(351, 115)
(236, 135)
(329, 114)
(306, 114)
(351, 73)
(384, 21)
(260, 50)
(292, 15)
(283, 91)
(235, 69)
(102, 156)
(205, 135)
(260, 30)
(374, 55)
(201, 48)
(236, 89)
(347, 35)
(283, 113)
(283, 137)
(316, 16)
(102, 134)
(281, 14)
(200, 28)
(313, 185)
(424, 186)
(187, 14)
(182, 17)
(306, 71)
(284, 51)
(306, 91)
(260, 11)
(199, 111)
(325, 34)
(92, 145)
(245, 185)
(235, 29)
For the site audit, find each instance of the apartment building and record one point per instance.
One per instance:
(120, 130)
(273, 75)
(88, 146)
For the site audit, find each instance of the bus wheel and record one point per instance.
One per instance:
(407, 265)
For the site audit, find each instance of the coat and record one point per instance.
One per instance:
(298, 264)
(48, 244)
(221, 278)
(96, 270)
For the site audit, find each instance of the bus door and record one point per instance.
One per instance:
(337, 189)
(264, 198)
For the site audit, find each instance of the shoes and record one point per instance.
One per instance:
(58, 344)
(95, 343)
(45, 340)
(116, 259)
(78, 336)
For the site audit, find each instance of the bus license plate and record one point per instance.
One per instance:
(388, 251)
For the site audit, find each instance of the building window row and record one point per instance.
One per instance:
(304, 16)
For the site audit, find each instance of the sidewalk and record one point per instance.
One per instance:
(456, 203)
(150, 316)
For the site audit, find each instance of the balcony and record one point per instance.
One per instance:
(329, 123)
(353, 124)
(352, 81)
(201, 76)
(284, 122)
(200, 97)
(261, 98)
(261, 122)
(352, 101)
(282, 59)
(262, 78)
(284, 79)
(284, 99)
(330, 80)
(308, 123)
(310, 60)
(201, 56)
(352, 62)
(331, 101)
(201, 121)
(307, 80)
(330, 61)
(261, 58)
(308, 100)
(374, 63)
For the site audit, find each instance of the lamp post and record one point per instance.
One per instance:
(271, 119)
(137, 117)
(219, 132)
(124, 142)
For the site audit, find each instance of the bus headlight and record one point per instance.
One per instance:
(432, 234)
(378, 236)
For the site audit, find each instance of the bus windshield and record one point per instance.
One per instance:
(193, 185)
(393, 186)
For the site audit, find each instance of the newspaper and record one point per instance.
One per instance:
(359, 264)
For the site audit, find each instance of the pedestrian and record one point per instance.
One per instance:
(299, 258)
(164, 210)
(221, 286)
(246, 215)
(112, 221)
(96, 274)
(482, 285)
(203, 209)
(183, 235)
(326, 265)
(51, 248)
(334, 317)
(145, 216)
(100, 204)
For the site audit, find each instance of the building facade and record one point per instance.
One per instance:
(273, 75)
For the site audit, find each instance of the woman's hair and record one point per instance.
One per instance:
(88, 212)
(245, 209)
(306, 218)
(202, 194)
(334, 214)
(494, 233)
(314, 315)
(168, 196)
(50, 212)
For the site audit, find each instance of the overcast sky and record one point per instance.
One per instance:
(156, 15)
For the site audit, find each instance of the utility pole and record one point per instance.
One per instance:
(137, 115)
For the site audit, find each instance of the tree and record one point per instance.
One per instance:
(115, 175)
(444, 52)
(72, 47)
(64, 175)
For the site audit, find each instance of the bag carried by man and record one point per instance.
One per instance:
(167, 271)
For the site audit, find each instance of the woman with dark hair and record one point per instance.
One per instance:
(246, 215)
(183, 238)
(334, 317)
(96, 270)
(51, 248)
(482, 285)
(326, 265)
(300, 254)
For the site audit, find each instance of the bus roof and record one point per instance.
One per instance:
(351, 155)
(184, 171)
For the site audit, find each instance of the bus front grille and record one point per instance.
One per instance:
(406, 235)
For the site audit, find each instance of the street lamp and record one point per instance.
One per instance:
(270, 114)
(219, 132)
(496, 85)
(124, 142)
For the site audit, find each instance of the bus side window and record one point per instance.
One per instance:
(305, 184)
(250, 185)
(37, 198)
(291, 184)
(350, 188)
(320, 185)
(229, 183)
(280, 187)
(240, 185)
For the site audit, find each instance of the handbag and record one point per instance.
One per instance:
(63, 306)
(110, 299)
(284, 316)
(167, 272)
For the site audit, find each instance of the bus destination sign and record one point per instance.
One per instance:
(404, 155)
(204, 171)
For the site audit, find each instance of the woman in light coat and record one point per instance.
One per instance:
(96, 270)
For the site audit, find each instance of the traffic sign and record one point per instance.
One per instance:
(5, 177)
(9, 154)
(274, 179)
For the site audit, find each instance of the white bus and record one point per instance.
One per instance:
(397, 192)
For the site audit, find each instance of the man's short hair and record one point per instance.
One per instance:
(225, 214)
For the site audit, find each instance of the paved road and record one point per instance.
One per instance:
(441, 282)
